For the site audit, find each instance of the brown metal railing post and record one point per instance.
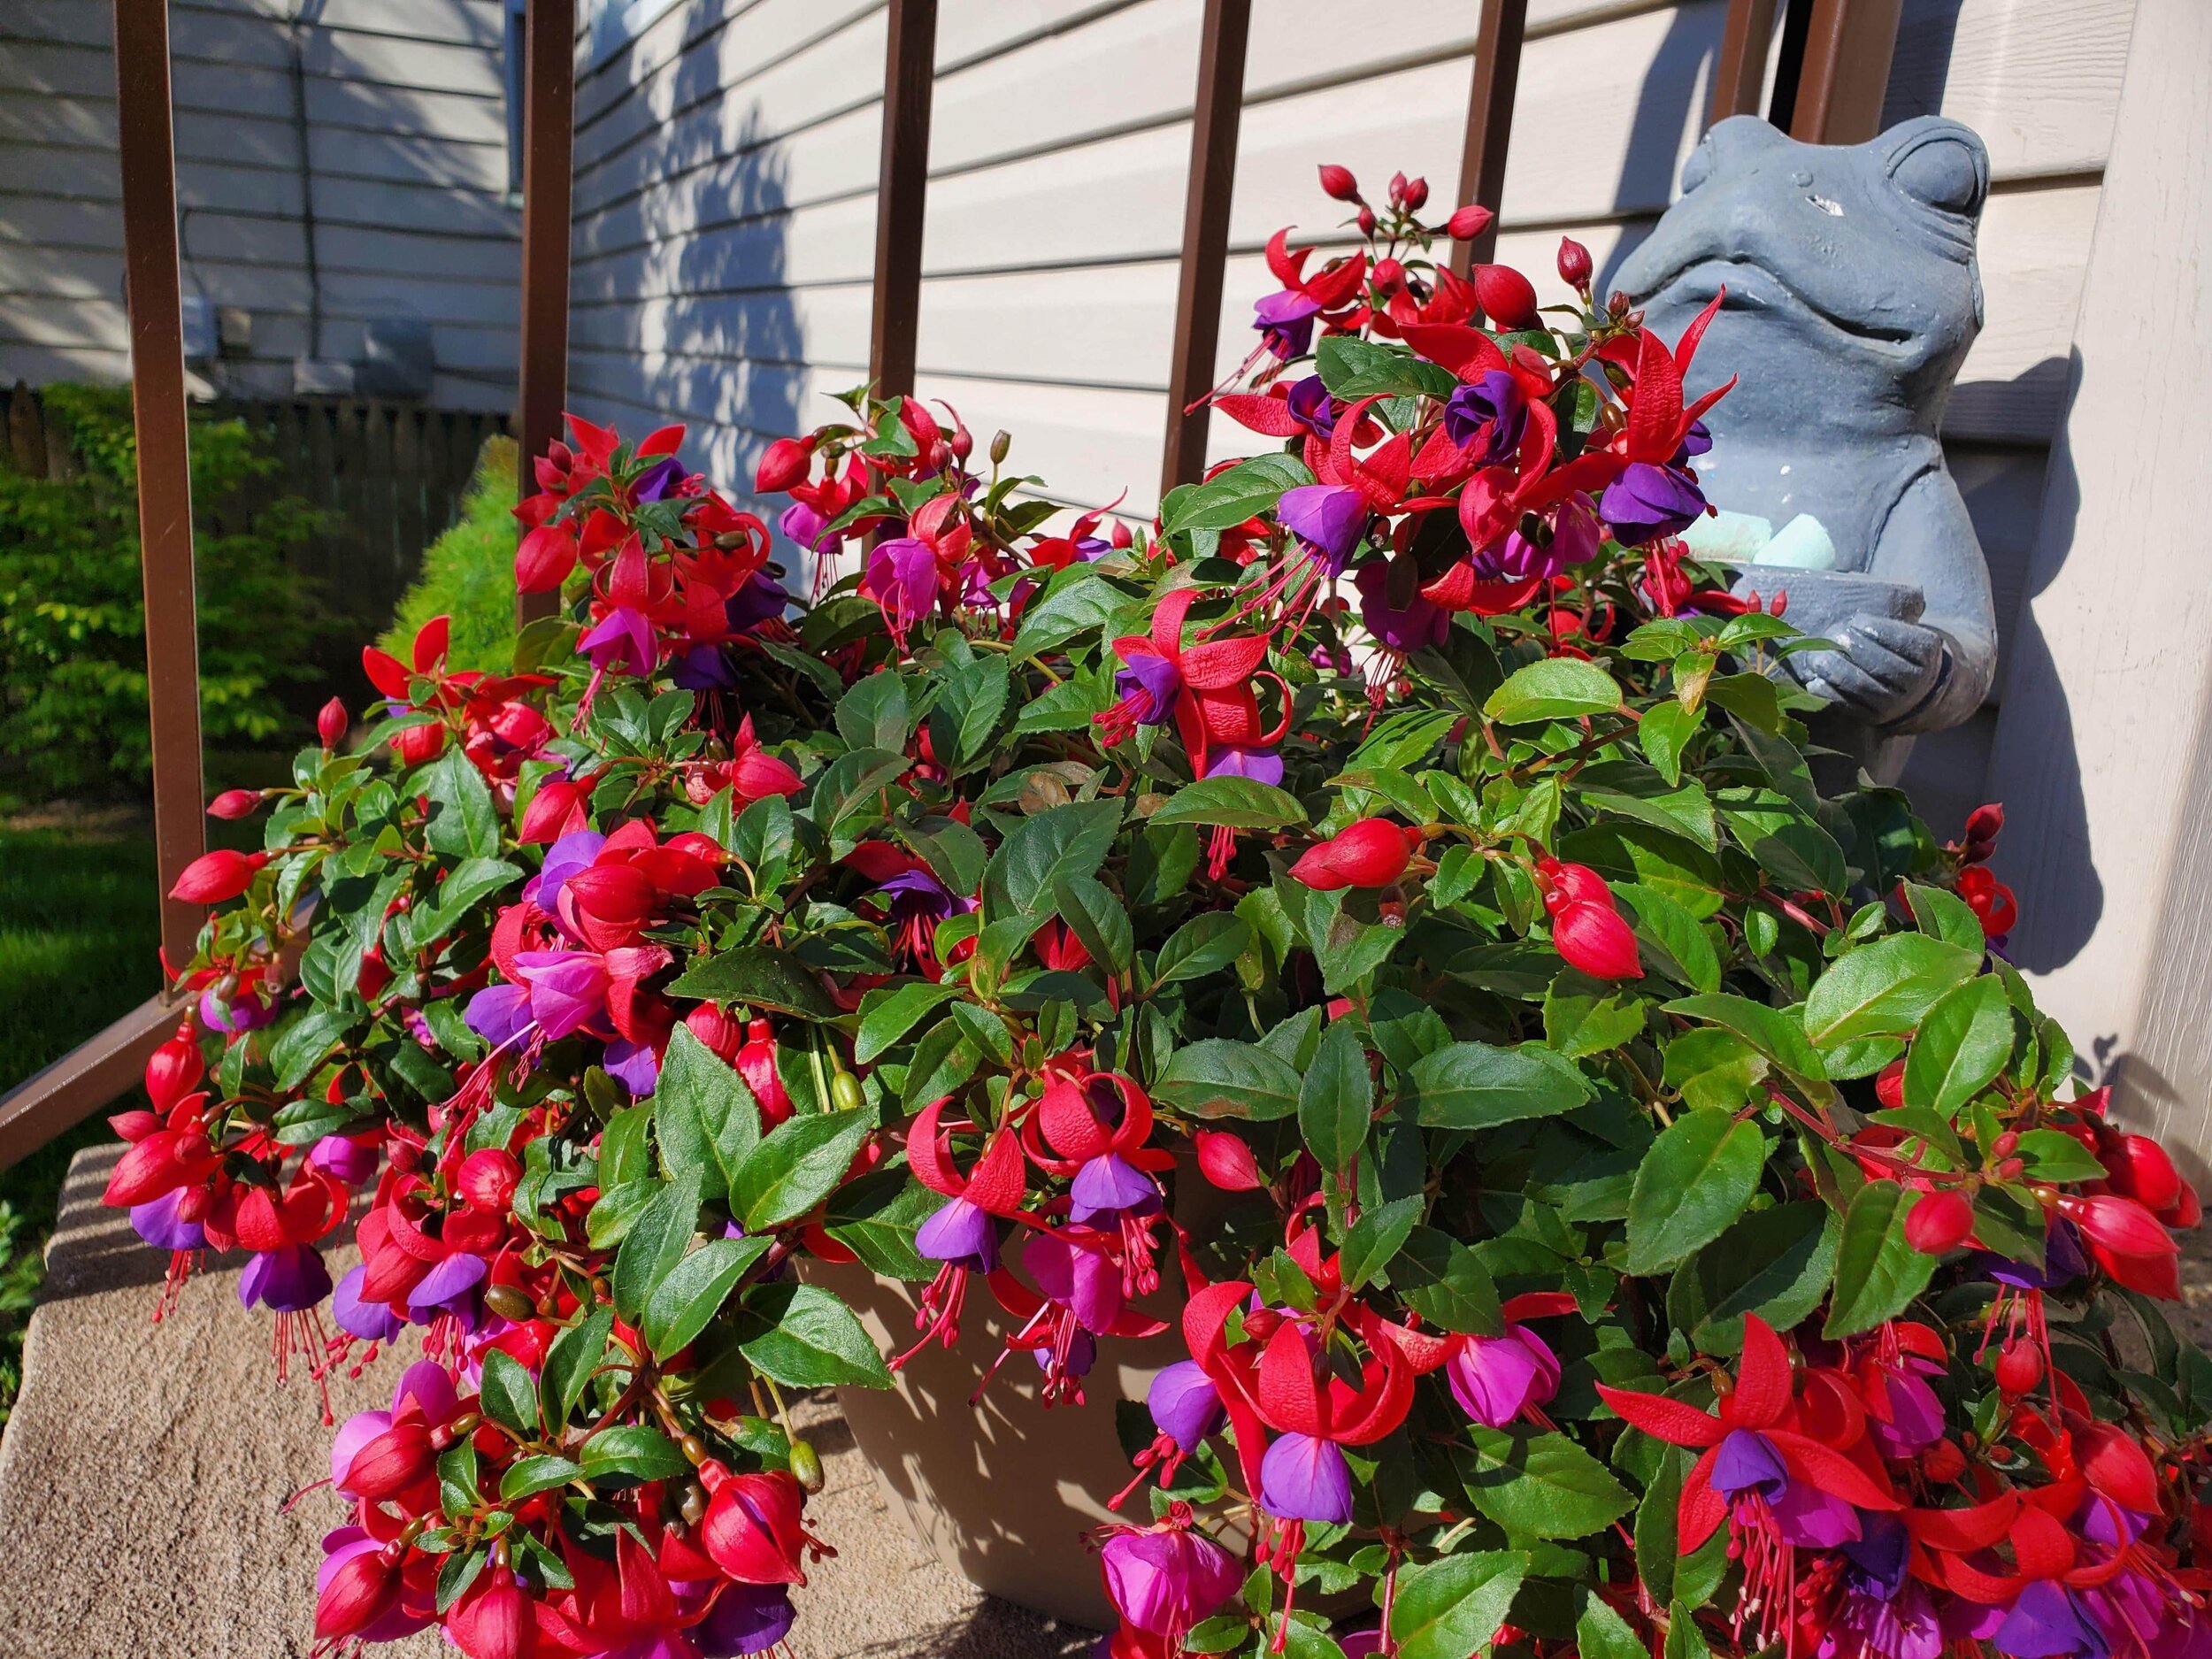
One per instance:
(147, 157)
(1213, 166)
(1498, 32)
(548, 125)
(909, 72)
(1849, 45)
(1741, 70)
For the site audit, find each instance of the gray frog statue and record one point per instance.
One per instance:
(1852, 295)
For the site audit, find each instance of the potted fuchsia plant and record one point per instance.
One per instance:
(1647, 1213)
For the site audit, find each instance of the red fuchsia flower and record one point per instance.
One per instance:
(755, 1528)
(2128, 1241)
(494, 1620)
(1099, 1125)
(1206, 689)
(963, 1234)
(1588, 928)
(1497, 1380)
(1166, 1578)
(911, 897)
(218, 877)
(1285, 319)
(1654, 493)
(1993, 903)
(1371, 852)
(1081, 544)
(901, 577)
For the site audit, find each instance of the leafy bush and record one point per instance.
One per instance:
(73, 654)
(1653, 1215)
(468, 573)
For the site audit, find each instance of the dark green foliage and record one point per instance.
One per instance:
(468, 573)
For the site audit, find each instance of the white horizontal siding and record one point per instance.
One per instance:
(406, 142)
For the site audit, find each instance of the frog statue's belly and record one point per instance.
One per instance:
(1851, 296)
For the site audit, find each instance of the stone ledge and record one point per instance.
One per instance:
(144, 1473)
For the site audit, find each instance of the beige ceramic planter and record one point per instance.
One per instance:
(1001, 1491)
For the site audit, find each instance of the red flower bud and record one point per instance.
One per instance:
(545, 557)
(1574, 263)
(419, 743)
(752, 1529)
(1566, 883)
(1338, 183)
(1469, 222)
(1938, 1222)
(1414, 194)
(1224, 1160)
(1507, 297)
(160, 1163)
(1594, 939)
(331, 721)
(172, 1071)
(2119, 1225)
(1365, 220)
(1372, 853)
(360, 1591)
(2140, 1168)
(388, 1465)
(722, 1036)
(756, 1065)
(2019, 1367)
(494, 1621)
(486, 1179)
(1389, 277)
(785, 463)
(234, 804)
(1943, 1460)
(1889, 1085)
(1990, 900)
(757, 774)
(134, 1125)
(214, 877)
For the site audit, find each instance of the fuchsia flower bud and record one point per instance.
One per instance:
(722, 1036)
(1889, 1085)
(1586, 928)
(1372, 853)
(389, 1463)
(1224, 1160)
(214, 877)
(1365, 218)
(1414, 194)
(785, 463)
(492, 1620)
(234, 804)
(331, 721)
(1469, 222)
(753, 1529)
(358, 1591)
(1574, 263)
(756, 1065)
(1338, 182)
(486, 1179)
(1938, 1222)
(1507, 297)
(172, 1071)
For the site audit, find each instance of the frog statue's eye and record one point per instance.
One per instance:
(1699, 166)
(1949, 171)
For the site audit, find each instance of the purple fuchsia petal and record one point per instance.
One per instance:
(289, 1279)
(1165, 1582)
(757, 601)
(1414, 627)
(1879, 1555)
(656, 481)
(499, 1013)
(1494, 1378)
(746, 1619)
(371, 1321)
(156, 1221)
(344, 1158)
(1813, 1519)
(1493, 403)
(903, 577)
(1916, 1419)
(568, 989)
(1306, 1478)
(2045, 1623)
(1184, 1405)
(622, 642)
(448, 1282)
(1311, 407)
(1285, 321)
(1748, 1461)
(1647, 501)
(1082, 1353)
(807, 527)
(702, 668)
(633, 1065)
(1109, 1185)
(1261, 765)
(1158, 678)
(1329, 518)
(962, 1234)
(427, 1384)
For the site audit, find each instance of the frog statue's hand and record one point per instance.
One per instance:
(1884, 670)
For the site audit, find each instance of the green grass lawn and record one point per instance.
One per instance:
(80, 924)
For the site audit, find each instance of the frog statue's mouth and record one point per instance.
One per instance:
(1750, 285)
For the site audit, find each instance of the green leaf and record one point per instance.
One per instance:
(1543, 1484)
(1076, 603)
(1098, 920)
(1774, 1263)
(1474, 1086)
(1376, 1238)
(1694, 1181)
(1713, 1068)
(1882, 989)
(508, 1396)
(875, 1217)
(1354, 368)
(850, 784)
(1052, 846)
(1217, 1078)
(876, 713)
(810, 1340)
(1778, 1034)
(693, 1293)
(1602, 1633)
(541, 1472)
(464, 823)
(634, 1449)
(1451, 1608)
(1946, 916)
(1674, 934)
(304, 1043)
(758, 977)
(570, 1362)
(2051, 1154)
(617, 1209)
(656, 1243)
(1445, 1283)
(1664, 732)
(1962, 1043)
(1674, 864)
(1231, 497)
(1553, 688)
(1237, 802)
(795, 1167)
(1336, 1099)
(1207, 943)
(885, 1015)
(1877, 1271)
(1583, 1016)
(971, 703)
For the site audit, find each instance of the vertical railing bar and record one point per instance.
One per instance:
(548, 125)
(1844, 78)
(1498, 29)
(910, 70)
(1740, 72)
(146, 149)
(1213, 164)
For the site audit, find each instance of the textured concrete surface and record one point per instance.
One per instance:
(145, 1473)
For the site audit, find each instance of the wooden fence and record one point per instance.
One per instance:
(391, 476)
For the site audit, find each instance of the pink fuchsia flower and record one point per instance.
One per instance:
(901, 577)
(622, 642)
(1401, 629)
(754, 1529)
(1493, 409)
(1497, 1380)
(358, 1591)
(1329, 518)
(1164, 1579)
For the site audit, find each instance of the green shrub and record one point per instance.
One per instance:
(468, 573)
(73, 652)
